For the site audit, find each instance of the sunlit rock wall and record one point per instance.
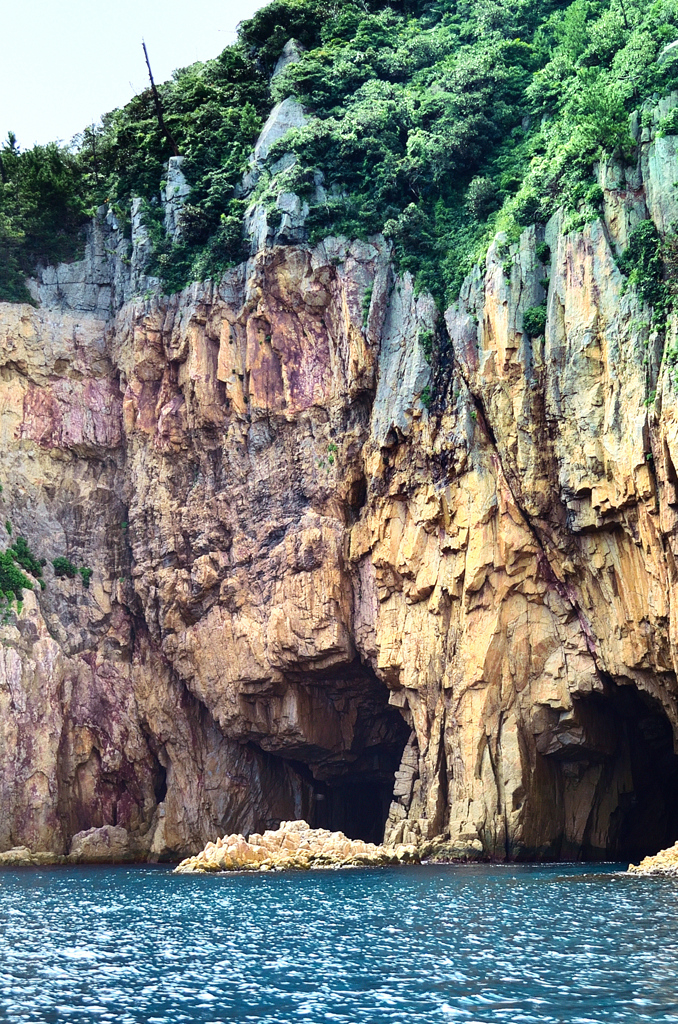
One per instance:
(307, 572)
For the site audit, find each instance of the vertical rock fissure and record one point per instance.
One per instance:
(545, 565)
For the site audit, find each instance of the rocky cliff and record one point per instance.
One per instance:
(332, 581)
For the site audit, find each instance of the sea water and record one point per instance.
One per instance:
(477, 944)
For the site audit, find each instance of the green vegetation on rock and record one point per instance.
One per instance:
(436, 122)
(12, 581)
(23, 556)
(63, 567)
(643, 262)
(534, 320)
(367, 302)
(426, 342)
(19, 556)
(85, 575)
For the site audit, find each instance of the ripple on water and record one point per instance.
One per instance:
(417, 945)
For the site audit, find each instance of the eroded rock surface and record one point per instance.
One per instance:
(107, 844)
(293, 846)
(314, 597)
(663, 863)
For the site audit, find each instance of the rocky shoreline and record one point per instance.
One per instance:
(105, 845)
(663, 863)
(294, 845)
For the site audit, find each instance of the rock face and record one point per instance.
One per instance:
(295, 845)
(177, 190)
(314, 596)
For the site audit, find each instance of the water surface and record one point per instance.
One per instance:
(478, 944)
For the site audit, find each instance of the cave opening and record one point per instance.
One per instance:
(345, 747)
(349, 788)
(620, 775)
(342, 740)
(160, 784)
(357, 802)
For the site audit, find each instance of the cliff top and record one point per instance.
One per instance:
(434, 122)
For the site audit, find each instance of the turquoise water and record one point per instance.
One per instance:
(475, 944)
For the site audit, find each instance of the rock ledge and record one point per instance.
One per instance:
(22, 857)
(294, 845)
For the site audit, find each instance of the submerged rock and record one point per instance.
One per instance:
(294, 845)
(663, 863)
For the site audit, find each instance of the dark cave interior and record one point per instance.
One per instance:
(629, 751)
(357, 803)
(349, 780)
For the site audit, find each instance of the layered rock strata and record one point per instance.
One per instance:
(293, 846)
(319, 593)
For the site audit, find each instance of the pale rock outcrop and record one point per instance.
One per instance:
(96, 284)
(659, 156)
(112, 269)
(177, 191)
(278, 215)
(663, 863)
(291, 54)
(293, 846)
(287, 114)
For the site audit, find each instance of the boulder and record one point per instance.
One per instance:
(106, 845)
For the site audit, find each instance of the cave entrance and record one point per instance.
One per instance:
(621, 775)
(349, 742)
(358, 802)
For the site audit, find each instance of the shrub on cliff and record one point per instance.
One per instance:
(23, 556)
(85, 575)
(63, 567)
(534, 320)
(12, 581)
(642, 262)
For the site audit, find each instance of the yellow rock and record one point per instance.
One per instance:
(663, 863)
(295, 845)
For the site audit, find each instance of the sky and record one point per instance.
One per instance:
(66, 62)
